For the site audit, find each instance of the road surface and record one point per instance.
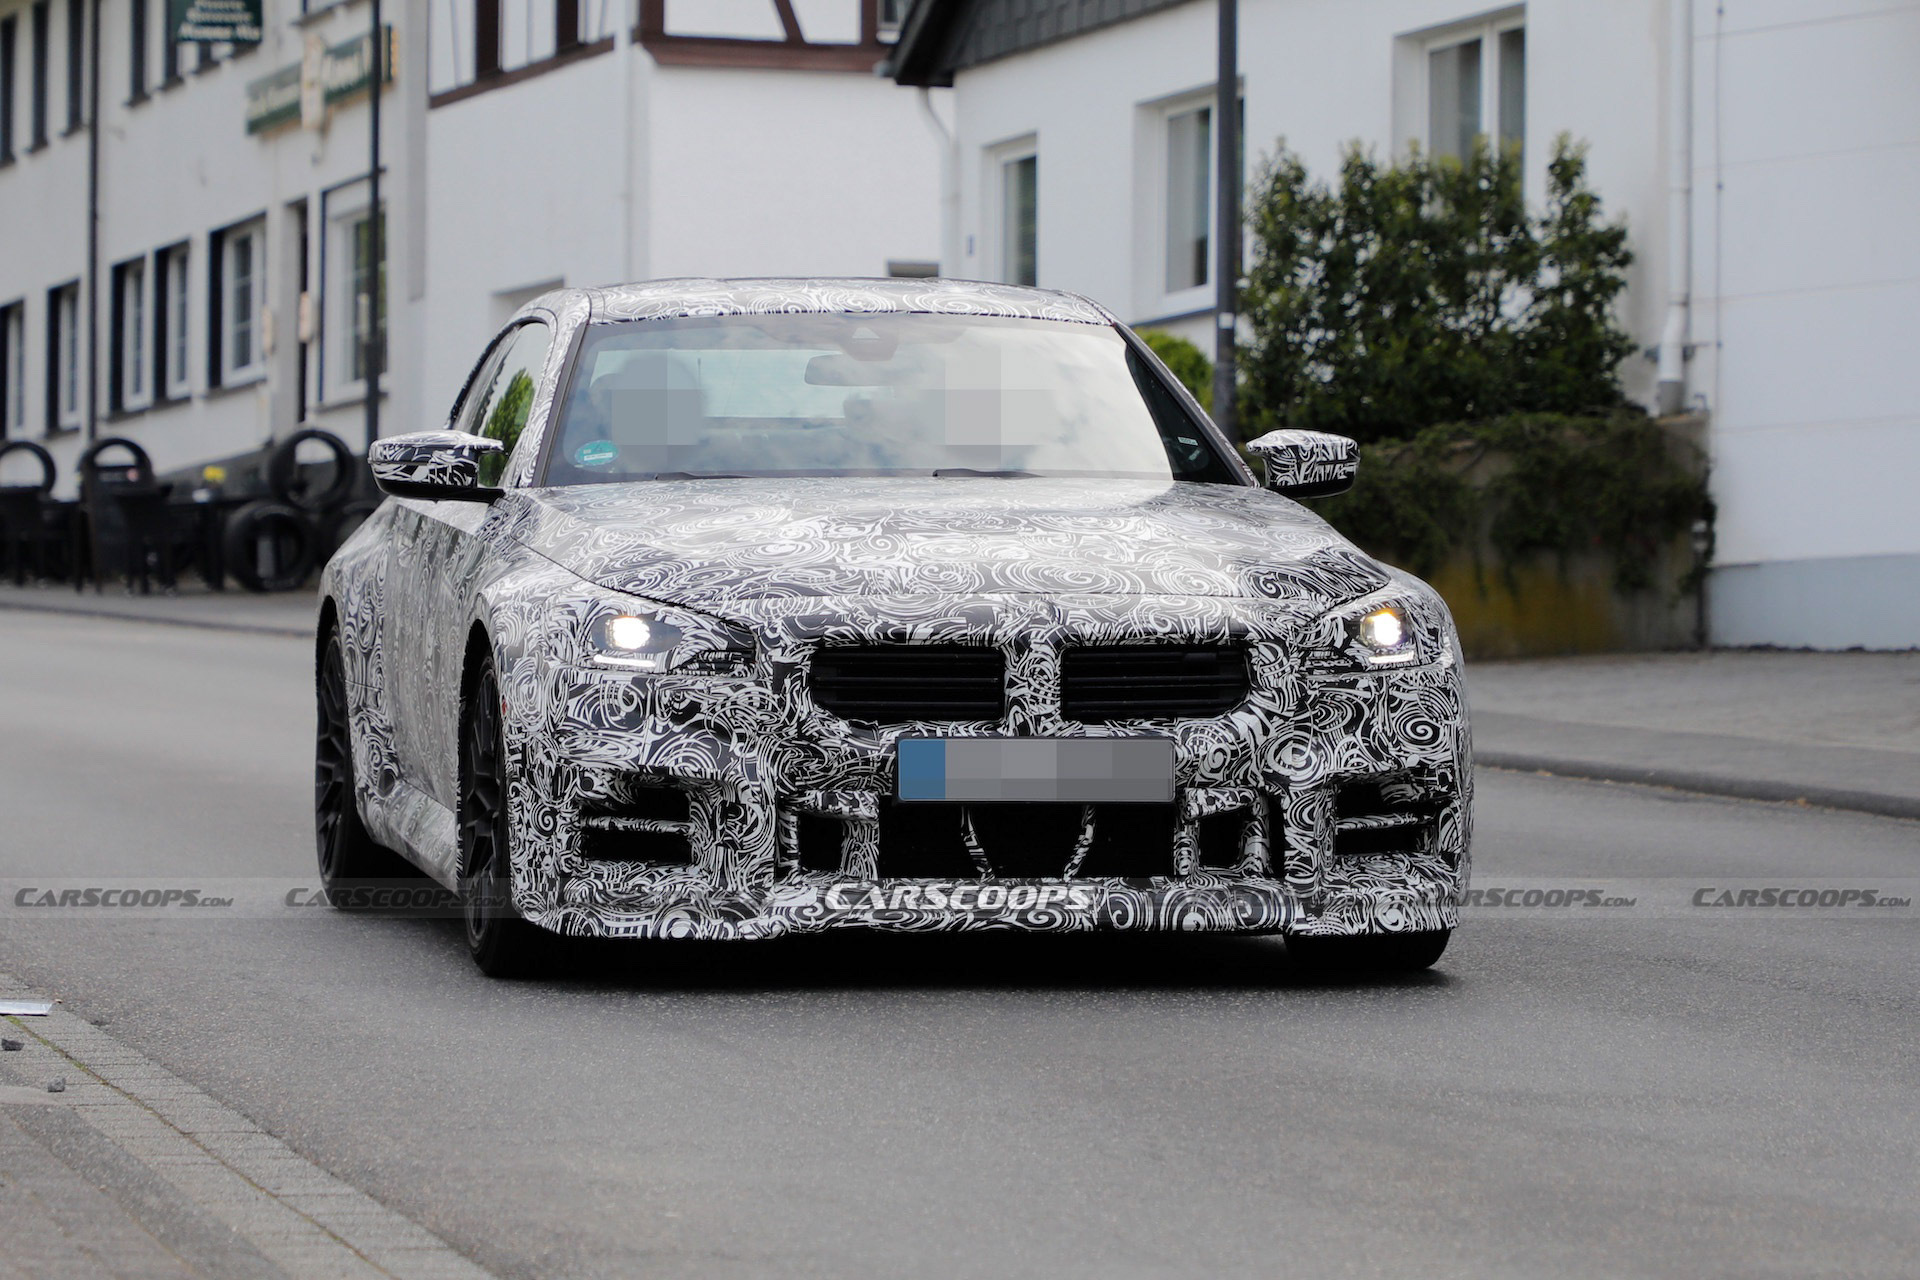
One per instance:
(1597, 1092)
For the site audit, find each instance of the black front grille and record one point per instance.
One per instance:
(1157, 681)
(898, 682)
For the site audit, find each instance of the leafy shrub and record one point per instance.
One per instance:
(1185, 361)
(1526, 484)
(1423, 292)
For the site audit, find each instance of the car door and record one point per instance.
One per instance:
(496, 407)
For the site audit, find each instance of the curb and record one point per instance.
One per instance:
(1712, 784)
(204, 624)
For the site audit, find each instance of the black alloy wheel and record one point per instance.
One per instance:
(1364, 954)
(350, 860)
(500, 942)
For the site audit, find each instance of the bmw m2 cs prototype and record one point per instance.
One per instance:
(737, 609)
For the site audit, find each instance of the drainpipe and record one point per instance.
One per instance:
(949, 186)
(93, 222)
(1671, 393)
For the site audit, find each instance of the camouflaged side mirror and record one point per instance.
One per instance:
(1307, 464)
(440, 466)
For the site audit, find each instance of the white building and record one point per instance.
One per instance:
(526, 143)
(1765, 154)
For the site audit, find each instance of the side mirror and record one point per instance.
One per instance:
(1307, 464)
(440, 466)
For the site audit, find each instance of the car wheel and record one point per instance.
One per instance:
(348, 855)
(1368, 953)
(501, 943)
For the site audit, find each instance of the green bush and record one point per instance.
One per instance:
(1523, 485)
(1424, 292)
(1185, 361)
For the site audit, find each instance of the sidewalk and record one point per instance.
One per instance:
(289, 613)
(1835, 729)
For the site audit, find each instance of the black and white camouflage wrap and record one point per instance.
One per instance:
(1307, 462)
(757, 573)
(431, 458)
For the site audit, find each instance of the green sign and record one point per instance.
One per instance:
(327, 74)
(215, 21)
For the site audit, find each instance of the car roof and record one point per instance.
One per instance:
(697, 296)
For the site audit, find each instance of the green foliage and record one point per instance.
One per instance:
(1525, 484)
(1185, 361)
(1424, 292)
(505, 421)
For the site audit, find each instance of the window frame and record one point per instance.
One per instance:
(9, 45)
(64, 359)
(76, 65)
(172, 319)
(1000, 159)
(1487, 28)
(342, 209)
(130, 375)
(13, 369)
(222, 371)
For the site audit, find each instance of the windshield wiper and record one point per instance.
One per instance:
(945, 473)
(696, 475)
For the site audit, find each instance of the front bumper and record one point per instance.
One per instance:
(1278, 824)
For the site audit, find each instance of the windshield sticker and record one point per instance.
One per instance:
(596, 453)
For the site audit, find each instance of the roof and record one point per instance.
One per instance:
(659, 299)
(941, 37)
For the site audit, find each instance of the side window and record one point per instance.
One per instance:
(498, 409)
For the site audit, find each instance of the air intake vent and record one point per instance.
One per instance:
(899, 682)
(1144, 682)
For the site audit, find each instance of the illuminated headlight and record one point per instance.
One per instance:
(1384, 631)
(1369, 635)
(641, 641)
(661, 640)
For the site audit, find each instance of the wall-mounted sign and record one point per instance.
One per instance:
(215, 21)
(325, 75)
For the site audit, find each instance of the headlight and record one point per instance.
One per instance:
(633, 635)
(1374, 633)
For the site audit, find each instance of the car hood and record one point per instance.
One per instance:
(713, 542)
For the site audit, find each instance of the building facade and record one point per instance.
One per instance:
(1764, 153)
(525, 144)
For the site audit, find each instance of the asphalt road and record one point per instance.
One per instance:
(1600, 1094)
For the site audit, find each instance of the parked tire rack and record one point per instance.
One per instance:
(268, 533)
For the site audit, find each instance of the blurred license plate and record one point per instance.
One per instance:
(1068, 770)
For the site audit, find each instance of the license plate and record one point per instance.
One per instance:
(1063, 770)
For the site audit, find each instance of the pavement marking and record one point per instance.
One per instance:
(296, 1214)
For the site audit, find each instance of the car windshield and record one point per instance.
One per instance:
(870, 395)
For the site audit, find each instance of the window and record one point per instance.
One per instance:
(37, 108)
(498, 410)
(869, 395)
(63, 358)
(1477, 84)
(350, 283)
(169, 51)
(137, 49)
(892, 14)
(76, 63)
(1019, 200)
(131, 384)
(566, 24)
(1189, 195)
(13, 370)
(9, 31)
(237, 292)
(170, 325)
(486, 37)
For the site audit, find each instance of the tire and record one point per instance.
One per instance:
(287, 483)
(349, 857)
(39, 455)
(291, 539)
(1377, 954)
(500, 942)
